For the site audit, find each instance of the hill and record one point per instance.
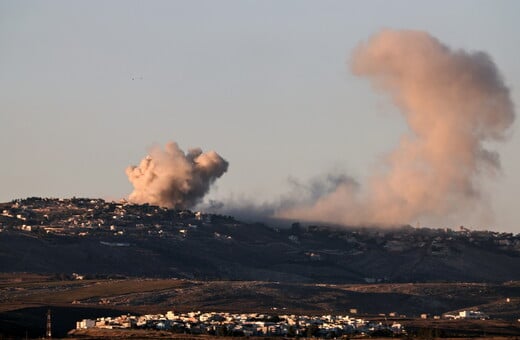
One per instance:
(96, 238)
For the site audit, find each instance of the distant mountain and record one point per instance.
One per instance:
(95, 237)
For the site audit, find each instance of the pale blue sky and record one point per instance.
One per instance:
(266, 84)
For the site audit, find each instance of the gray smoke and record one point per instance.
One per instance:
(299, 194)
(174, 179)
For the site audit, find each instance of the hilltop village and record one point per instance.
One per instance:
(120, 238)
(83, 217)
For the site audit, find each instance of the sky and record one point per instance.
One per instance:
(88, 87)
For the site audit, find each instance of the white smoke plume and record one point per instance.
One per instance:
(174, 179)
(453, 102)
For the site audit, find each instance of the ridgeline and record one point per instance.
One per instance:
(96, 238)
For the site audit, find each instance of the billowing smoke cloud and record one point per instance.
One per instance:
(170, 178)
(453, 102)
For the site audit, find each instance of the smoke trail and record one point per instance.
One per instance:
(453, 101)
(299, 194)
(173, 179)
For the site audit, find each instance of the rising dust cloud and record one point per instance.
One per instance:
(174, 179)
(453, 102)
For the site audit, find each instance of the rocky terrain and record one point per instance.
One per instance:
(96, 238)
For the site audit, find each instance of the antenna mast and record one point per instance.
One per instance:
(48, 333)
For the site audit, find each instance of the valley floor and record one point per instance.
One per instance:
(26, 298)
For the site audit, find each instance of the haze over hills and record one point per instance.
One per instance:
(95, 237)
(456, 104)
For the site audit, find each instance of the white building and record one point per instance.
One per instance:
(85, 324)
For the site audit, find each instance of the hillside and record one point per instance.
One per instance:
(97, 238)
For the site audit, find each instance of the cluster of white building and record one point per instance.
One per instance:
(243, 324)
(468, 314)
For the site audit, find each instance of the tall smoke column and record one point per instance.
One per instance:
(453, 101)
(170, 178)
